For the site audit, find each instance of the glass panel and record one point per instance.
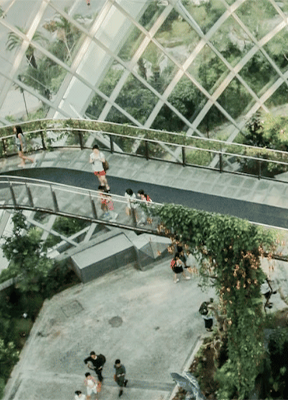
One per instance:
(277, 48)
(187, 99)
(19, 13)
(134, 38)
(261, 11)
(95, 107)
(235, 98)
(199, 157)
(115, 115)
(84, 15)
(215, 125)
(46, 79)
(206, 13)
(208, 69)
(150, 15)
(163, 152)
(258, 73)
(232, 41)
(69, 202)
(156, 68)
(169, 121)
(136, 99)
(177, 37)
(42, 196)
(62, 37)
(278, 98)
(111, 78)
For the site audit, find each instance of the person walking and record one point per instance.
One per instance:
(177, 267)
(91, 385)
(79, 395)
(20, 143)
(119, 376)
(97, 159)
(107, 205)
(96, 362)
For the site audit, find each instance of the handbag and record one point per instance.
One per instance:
(105, 165)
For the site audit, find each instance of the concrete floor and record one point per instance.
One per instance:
(143, 318)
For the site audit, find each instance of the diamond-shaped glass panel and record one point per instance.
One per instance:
(132, 43)
(177, 37)
(232, 41)
(277, 97)
(169, 121)
(235, 98)
(150, 15)
(259, 16)
(62, 36)
(136, 99)
(277, 48)
(95, 107)
(258, 73)
(206, 13)
(215, 125)
(111, 78)
(156, 68)
(115, 115)
(187, 98)
(208, 69)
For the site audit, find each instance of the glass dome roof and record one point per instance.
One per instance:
(200, 66)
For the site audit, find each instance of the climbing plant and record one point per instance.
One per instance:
(229, 251)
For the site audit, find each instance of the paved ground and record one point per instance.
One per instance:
(143, 318)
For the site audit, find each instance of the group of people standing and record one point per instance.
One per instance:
(96, 363)
(182, 261)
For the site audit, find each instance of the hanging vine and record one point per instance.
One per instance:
(229, 251)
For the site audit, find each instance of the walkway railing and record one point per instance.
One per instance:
(69, 201)
(150, 144)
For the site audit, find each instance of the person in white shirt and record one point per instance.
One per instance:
(97, 159)
(79, 395)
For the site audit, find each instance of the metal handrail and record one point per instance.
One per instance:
(15, 199)
(136, 128)
(220, 153)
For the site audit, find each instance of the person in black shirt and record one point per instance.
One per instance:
(96, 362)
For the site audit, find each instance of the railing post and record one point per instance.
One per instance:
(183, 156)
(259, 169)
(80, 140)
(94, 211)
(111, 144)
(43, 141)
(13, 194)
(4, 147)
(220, 162)
(56, 208)
(30, 198)
(133, 214)
(146, 150)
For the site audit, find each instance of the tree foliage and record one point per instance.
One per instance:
(24, 250)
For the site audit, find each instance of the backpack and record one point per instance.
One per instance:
(173, 263)
(103, 358)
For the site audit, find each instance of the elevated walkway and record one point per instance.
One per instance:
(259, 201)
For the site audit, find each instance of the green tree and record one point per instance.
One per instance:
(28, 260)
(8, 357)
(14, 41)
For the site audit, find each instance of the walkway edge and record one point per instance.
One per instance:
(197, 346)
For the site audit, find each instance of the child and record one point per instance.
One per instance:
(107, 205)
